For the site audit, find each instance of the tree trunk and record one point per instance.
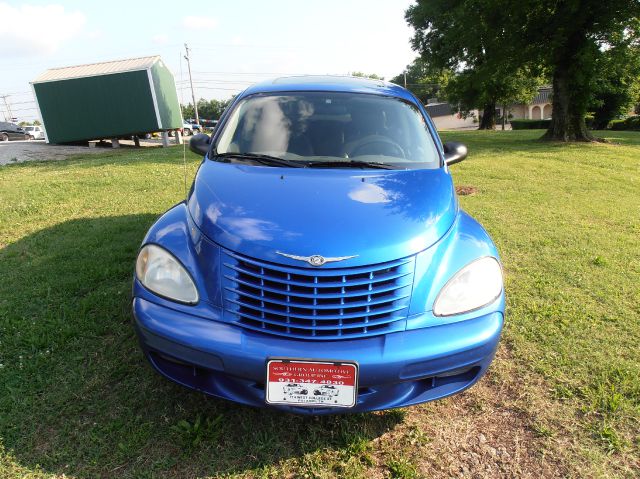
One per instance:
(488, 118)
(570, 95)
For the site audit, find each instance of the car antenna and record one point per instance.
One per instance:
(184, 145)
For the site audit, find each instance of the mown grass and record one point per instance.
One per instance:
(563, 398)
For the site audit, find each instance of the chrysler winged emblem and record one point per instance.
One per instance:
(316, 259)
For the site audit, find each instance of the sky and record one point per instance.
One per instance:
(233, 43)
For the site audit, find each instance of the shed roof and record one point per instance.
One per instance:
(438, 109)
(95, 69)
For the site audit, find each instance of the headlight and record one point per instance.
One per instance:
(159, 271)
(477, 284)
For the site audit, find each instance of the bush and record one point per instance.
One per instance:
(530, 124)
(617, 125)
(631, 123)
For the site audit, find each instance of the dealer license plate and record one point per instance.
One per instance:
(303, 382)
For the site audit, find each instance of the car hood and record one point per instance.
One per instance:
(372, 215)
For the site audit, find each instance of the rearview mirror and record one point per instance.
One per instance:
(454, 152)
(199, 143)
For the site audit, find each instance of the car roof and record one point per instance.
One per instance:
(333, 83)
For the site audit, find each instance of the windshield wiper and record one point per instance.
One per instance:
(262, 159)
(350, 164)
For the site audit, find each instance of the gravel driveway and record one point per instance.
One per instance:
(18, 151)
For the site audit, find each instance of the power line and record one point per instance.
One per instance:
(20, 93)
(217, 81)
(250, 73)
(217, 88)
(20, 109)
(267, 47)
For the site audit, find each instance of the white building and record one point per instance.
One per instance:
(538, 109)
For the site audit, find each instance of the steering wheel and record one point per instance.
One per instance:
(358, 145)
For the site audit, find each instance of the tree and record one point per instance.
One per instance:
(485, 40)
(423, 79)
(373, 76)
(207, 109)
(470, 89)
(572, 37)
(617, 87)
(470, 38)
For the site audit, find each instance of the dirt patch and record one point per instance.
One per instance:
(485, 432)
(465, 190)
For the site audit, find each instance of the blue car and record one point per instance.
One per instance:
(321, 246)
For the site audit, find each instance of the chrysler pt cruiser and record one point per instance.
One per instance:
(321, 245)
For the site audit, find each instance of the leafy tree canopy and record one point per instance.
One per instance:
(617, 85)
(471, 39)
(497, 48)
(423, 79)
(29, 123)
(575, 39)
(207, 109)
(373, 76)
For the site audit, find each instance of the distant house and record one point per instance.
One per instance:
(538, 109)
(446, 118)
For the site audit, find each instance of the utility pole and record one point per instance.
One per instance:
(8, 107)
(193, 95)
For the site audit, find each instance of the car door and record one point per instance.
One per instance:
(17, 133)
(12, 131)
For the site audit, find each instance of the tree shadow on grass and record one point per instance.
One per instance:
(77, 397)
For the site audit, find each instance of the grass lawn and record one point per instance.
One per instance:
(78, 400)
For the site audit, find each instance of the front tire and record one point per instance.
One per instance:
(4, 137)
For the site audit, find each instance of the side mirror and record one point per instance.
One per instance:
(199, 143)
(454, 152)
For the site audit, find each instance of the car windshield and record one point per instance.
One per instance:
(328, 129)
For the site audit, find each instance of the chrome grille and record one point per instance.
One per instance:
(317, 303)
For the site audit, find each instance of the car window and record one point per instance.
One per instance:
(330, 126)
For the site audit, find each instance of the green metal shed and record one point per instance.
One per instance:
(107, 100)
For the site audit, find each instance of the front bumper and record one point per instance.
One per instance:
(396, 370)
